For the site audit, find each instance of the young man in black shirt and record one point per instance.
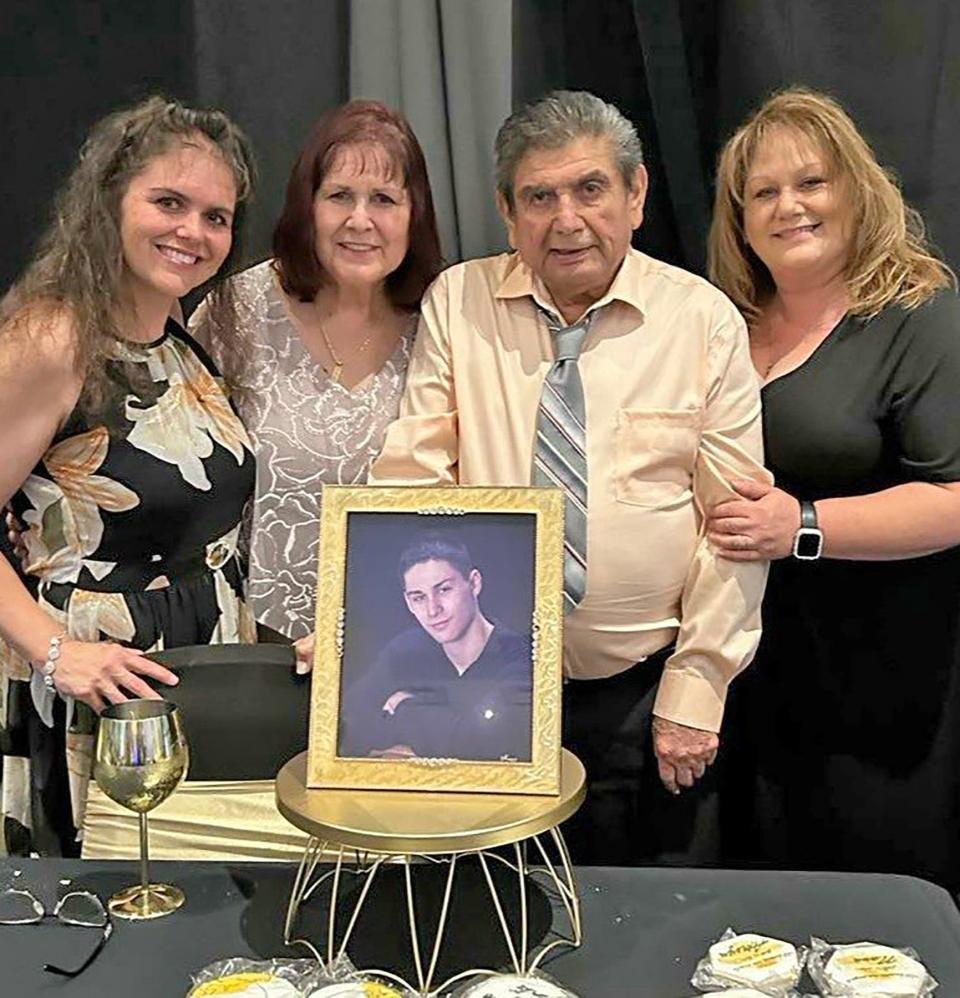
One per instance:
(456, 686)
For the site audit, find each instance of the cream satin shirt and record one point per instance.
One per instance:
(673, 414)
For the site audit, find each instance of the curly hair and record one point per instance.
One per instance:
(79, 265)
(890, 260)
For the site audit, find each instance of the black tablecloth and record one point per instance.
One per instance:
(644, 929)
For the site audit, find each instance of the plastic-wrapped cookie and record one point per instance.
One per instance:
(356, 989)
(753, 959)
(735, 993)
(510, 985)
(869, 969)
(252, 984)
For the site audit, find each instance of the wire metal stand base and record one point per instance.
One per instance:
(550, 867)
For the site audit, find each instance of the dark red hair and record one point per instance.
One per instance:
(294, 240)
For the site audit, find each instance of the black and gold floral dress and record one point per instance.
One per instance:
(132, 537)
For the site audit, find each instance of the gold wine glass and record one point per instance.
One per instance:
(141, 758)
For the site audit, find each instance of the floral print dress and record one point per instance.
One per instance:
(132, 537)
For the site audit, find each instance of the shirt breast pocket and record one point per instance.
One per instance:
(656, 450)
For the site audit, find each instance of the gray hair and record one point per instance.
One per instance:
(553, 121)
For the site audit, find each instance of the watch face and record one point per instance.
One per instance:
(808, 544)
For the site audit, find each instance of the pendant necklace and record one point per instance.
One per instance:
(338, 363)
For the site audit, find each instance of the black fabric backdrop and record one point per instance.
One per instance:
(685, 70)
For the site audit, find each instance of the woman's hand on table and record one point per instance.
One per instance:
(101, 672)
(760, 526)
(304, 648)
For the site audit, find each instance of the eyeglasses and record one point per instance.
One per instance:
(20, 907)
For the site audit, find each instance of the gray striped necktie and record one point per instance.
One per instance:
(560, 455)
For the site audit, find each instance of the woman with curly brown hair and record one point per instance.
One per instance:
(122, 456)
(848, 719)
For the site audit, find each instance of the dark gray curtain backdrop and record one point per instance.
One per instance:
(687, 71)
(274, 65)
(63, 65)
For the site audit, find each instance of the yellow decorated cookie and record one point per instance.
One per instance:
(253, 984)
(356, 989)
(868, 969)
(754, 960)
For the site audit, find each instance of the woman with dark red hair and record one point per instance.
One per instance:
(317, 357)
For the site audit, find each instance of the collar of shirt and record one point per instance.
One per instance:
(520, 282)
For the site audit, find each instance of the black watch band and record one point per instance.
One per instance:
(808, 540)
(808, 515)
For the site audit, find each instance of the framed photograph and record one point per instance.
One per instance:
(439, 640)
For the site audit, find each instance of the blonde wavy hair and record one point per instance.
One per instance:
(890, 260)
(79, 266)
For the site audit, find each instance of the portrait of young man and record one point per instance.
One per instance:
(455, 684)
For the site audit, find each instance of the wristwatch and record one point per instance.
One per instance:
(808, 540)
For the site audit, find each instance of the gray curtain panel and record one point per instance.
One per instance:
(446, 64)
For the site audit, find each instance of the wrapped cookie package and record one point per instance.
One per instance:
(868, 969)
(748, 961)
(244, 978)
(742, 993)
(535, 985)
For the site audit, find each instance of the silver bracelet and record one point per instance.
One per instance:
(49, 667)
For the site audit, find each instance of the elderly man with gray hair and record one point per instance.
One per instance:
(580, 362)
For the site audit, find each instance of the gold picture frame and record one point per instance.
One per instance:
(357, 532)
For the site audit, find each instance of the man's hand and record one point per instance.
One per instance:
(683, 753)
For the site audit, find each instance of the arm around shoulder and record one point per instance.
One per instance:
(422, 446)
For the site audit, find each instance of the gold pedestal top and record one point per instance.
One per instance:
(412, 821)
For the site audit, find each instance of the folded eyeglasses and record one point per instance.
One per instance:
(19, 906)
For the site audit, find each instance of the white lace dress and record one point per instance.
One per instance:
(307, 431)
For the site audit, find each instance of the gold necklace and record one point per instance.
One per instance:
(337, 371)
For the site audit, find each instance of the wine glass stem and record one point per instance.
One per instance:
(144, 858)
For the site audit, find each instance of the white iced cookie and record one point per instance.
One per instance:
(508, 985)
(868, 969)
(754, 959)
(255, 984)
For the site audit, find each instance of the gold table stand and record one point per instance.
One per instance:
(408, 827)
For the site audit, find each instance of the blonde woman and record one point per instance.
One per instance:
(849, 718)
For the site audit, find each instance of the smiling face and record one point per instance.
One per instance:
(361, 214)
(796, 215)
(175, 221)
(573, 217)
(443, 601)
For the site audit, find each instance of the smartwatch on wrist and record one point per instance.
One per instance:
(808, 540)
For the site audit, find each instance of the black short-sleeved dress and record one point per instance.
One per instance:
(851, 712)
(132, 538)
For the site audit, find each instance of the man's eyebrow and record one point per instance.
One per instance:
(531, 189)
(443, 581)
(593, 175)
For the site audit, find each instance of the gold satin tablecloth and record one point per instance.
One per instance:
(236, 820)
